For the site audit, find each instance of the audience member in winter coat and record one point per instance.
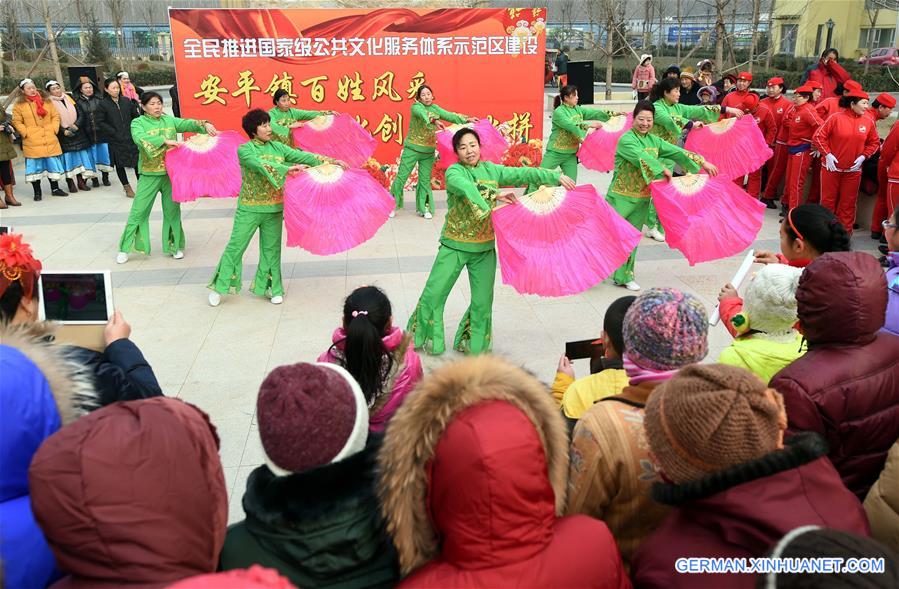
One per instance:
(717, 433)
(89, 99)
(846, 387)
(115, 129)
(40, 391)
(828, 72)
(577, 396)
(76, 147)
(473, 474)
(120, 372)
(644, 77)
(811, 542)
(611, 471)
(882, 502)
(255, 577)
(312, 512)
(36, 121)
(132, 495)
(378, 354)
(891, 232)
(766, 338)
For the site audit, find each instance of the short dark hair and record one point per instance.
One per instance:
(421, 89)
(877, 104)
(830, 50)
(847, 101)
(9, 302)
(644, 105)
(252, 120)
(109, 81)
(457, 137)
(146, 97)
(613, 322)
(278, 94)
(664, 86)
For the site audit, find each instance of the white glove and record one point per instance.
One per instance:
(830, 162)
(858, 164)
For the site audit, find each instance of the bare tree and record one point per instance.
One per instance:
(680, 27)
(720, 31)
(43, 9)
(770, 36)
(872, 11)
(566, 11)
(647, 24)
(117, 15)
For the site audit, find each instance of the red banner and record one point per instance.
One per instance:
(368, 63)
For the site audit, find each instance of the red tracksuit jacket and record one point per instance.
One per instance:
(888, 151)
(827, 107)
(800, 124)
(732, 100)
(847, 135)
(766, 122)
(778, 108)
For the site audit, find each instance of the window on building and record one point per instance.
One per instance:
(788, 38)
(880, 37)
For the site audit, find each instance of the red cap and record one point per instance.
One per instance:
(776, 82)
(886, 100)
(806, 89)
(745, 76)
(858, 94)
(814, 85)
(852, 85)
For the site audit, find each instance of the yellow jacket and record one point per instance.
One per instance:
(882, 502)
(576, 396)
(38, 133)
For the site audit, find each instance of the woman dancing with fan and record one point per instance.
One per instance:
(418, 149)
(467, 241)
(155, 133)
(568, 131)
(671, 118)
(642, 157)
(284, 117)
(264, 166)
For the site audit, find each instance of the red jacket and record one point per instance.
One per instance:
(778, 108)
(846, 387)
(767, 125)
(829, 76)
(847, 135)
(474, 472)
(742, 512)
(828, 106)
(783, 131)
(801, 125)
(733, 100)
(888, 163)
(132, 495)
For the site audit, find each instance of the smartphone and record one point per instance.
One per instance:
(75, 298)
(4, 229)
(587, 348)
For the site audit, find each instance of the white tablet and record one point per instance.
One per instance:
(80, 297)
(4, 229)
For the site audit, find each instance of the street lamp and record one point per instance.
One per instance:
(830, 25)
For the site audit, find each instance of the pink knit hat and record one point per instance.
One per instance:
(310, 415)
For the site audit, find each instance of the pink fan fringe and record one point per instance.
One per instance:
(739, 151)
(565, 252)
(493, 144)
(214, 173)
(344, 140)
(329, 218)
(718, 221)
(597, 152)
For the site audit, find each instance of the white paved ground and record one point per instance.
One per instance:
(217, 357)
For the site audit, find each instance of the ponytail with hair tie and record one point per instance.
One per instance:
(364, 354)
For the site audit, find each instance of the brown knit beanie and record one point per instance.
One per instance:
(709, 417)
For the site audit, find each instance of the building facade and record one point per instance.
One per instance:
(805, 28)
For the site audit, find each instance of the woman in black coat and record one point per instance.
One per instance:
(88, 98)
(116, 114)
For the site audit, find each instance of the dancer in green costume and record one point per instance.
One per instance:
(467, 240)
(154, 133)
(418, 148)
(568, 130)
(264, 166)
(640, 158)
(671, 118)
(284, 118)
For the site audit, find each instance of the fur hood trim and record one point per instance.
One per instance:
(72, 383)
(414, 431)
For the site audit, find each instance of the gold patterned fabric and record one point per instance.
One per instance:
(422, 128)
(150, 135)
(263, 167)
(640, 159)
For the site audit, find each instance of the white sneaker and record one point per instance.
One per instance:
(178, 255)
(420, 214)
(428, 215)
(277, 300)
(392, 214)
(656, 234)
(215, 299)
(631, 285)
(121, 258)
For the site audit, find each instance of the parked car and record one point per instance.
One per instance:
(882, 56)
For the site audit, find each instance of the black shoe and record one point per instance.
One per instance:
(96, 182)
(883, 238)
(106, 179)
(769, 202)
(883, 249)
(855, 226)
(38, 198)
(59, 192)
(876, 235)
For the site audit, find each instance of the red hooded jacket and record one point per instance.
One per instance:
(846, 135)
(846, 387)
(132, 496)
(829, 76)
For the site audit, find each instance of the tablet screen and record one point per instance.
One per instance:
(4, 229)
(74, 297)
